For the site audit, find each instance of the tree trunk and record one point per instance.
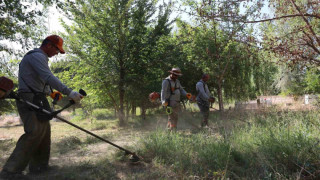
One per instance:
(133, 109)
(127, 111)
(143, 112)
(221, 108)
(121, 114)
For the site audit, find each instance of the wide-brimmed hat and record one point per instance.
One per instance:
(57, 41)
(176, 71)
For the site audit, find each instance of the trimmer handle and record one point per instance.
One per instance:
(71, 102)
(82, 92)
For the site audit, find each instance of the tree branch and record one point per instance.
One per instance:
(307, 22)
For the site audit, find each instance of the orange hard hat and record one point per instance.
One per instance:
(58, 41)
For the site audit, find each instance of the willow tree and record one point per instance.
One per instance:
(103, 38)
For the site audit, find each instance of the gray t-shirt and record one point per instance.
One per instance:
(34, 72)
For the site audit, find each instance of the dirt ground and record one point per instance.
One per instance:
(83, 160)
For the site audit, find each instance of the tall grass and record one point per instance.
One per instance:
(269, 145)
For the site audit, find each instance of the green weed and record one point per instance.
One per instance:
(269, 145)
(103, 114)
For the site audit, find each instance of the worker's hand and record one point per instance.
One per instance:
(189, 95)
(56, 95)
(165, 104)
(75, 96)
(193, 99)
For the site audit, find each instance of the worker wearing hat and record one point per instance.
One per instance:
(171, 93)
(34, 78)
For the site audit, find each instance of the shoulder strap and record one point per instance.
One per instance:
(170, 87)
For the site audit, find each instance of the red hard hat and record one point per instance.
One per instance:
(6, 84)
(154, 95)
(58, 41)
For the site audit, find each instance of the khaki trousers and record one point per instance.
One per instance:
(33, 147)
(174, 116)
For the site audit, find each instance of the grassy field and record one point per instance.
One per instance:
(267, 144)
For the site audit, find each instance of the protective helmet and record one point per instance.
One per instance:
(57, 41)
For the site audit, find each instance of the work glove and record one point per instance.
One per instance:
(189, 95)
(165, 104)
(75, 96)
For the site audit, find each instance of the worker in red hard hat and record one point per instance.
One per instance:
(171, 92)
(36, 81)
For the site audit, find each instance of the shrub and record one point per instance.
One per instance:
(100, 114)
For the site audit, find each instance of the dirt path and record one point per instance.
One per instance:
(76, 155)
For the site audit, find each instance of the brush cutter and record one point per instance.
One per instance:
(13, 95)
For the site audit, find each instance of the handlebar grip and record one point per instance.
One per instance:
(82, 92)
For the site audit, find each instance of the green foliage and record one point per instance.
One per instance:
(291, 80)
(312, 81)
(99, 126)
(19, 19)
(113, 45)
(232, 65)
(101, 114)
(78, 115)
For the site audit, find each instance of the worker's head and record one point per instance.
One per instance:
(205, 77)
(52, 45)
(175, 73)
